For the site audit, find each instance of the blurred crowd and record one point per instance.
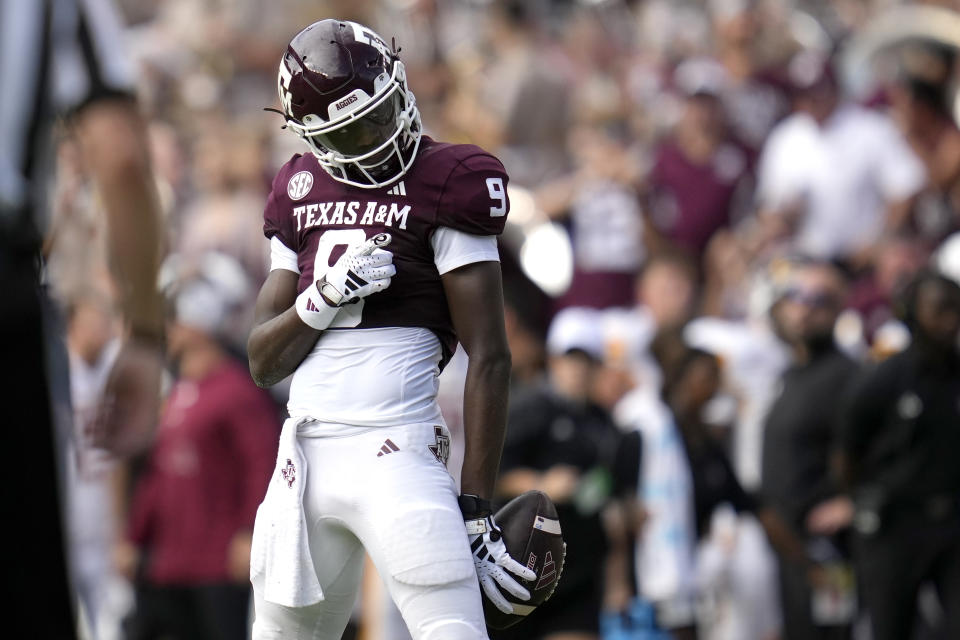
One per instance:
(730, 273)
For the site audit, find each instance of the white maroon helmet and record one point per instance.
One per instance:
(344, 91)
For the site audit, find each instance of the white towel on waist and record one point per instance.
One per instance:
(280, 548)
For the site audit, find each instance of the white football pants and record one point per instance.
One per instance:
(383, 491)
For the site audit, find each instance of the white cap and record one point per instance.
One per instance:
(576, 328)
(946, 260)
(207, 292)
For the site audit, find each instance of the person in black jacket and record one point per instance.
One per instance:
(799, 443)
(561, 442)
(900, 439)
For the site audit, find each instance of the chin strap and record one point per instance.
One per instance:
(285, 116)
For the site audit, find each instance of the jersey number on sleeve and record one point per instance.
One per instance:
(349, 314)
(498, 194)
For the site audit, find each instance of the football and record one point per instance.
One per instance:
(531, 533)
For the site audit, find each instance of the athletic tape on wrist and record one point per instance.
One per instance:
(476, 527)
(314, 312)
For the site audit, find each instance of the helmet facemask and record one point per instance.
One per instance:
(373, 145)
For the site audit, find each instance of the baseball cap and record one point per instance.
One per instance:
(576, 329)
(204, 292)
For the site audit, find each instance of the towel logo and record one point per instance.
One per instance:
(442, 448)
(289, 472)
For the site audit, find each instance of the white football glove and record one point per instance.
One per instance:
(360, 271)
(492, 562)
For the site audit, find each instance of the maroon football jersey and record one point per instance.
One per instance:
(449, 185)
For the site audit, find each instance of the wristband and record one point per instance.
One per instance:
(474, 507)
(477, 527)
(329, 293)
(312, 309)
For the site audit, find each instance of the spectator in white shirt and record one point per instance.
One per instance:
(833, 174)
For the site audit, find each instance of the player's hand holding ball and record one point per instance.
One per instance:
(490, 557)
(361, 270)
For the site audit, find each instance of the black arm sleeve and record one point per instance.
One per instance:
(863, 409)
(626, 464)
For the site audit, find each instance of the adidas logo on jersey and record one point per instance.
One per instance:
(399, 190)
(388, 447)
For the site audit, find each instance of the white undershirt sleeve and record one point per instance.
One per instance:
(452, 249)
(282, 257)
(900, 174)
(781, 179)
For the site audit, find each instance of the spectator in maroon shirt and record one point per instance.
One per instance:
(598, 202)
(699, 179)
(194, 507)
(898, 260)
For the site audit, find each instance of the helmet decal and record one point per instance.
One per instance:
(283, 86)
(353, 101)
(361, 33)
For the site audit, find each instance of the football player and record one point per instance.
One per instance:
(384, 256)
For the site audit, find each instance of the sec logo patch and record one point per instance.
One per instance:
(300, 185)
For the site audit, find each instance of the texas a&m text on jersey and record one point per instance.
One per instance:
(458, 187)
